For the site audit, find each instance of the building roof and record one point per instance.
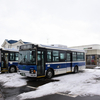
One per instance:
(86, 45)
(26, 42)
(14, 41)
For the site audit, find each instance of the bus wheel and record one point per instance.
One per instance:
(12, 69)
(49, 74)
(76, 69)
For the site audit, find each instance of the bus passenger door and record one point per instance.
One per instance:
(4, 62)
(0, 61)
(69, 62)
(40, 63)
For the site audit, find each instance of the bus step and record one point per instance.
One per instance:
(4, 70)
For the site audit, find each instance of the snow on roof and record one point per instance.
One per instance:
(55, 47)
(14, 41)
(26, 42)
(60, 48)
(85, 45)
(10, 49)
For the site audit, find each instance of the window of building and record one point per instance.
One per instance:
(17, 47)
(90, 60)
(9, 46)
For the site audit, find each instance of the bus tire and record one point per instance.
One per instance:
(49, 73)
(76, 69)
(12, 69)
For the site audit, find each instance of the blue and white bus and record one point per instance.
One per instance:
(40, 60)
(8, 60)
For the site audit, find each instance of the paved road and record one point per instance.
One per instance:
(58, 97)
(62, 97)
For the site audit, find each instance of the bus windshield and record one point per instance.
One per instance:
(27, 57)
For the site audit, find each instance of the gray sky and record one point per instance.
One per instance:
(67, 22)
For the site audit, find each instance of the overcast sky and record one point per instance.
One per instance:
(67, 22)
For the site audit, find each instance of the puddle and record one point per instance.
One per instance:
(39, 82)
(12, 93)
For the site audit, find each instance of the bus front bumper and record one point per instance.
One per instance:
(26, 73)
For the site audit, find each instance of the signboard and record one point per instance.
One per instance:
(29, 46)
(88, 48)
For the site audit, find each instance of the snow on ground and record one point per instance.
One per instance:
(98, 67)
(12, 80)
(83, 84)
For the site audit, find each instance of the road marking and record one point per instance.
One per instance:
(32, 87)
(70, 95)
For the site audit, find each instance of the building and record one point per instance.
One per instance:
(13, 44)
(92, 54)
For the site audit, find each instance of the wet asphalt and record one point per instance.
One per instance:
(62, 97)
(12, 93)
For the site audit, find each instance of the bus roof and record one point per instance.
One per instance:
(29, 46)
(60, 48)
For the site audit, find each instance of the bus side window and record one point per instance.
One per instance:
(80, 56)
(11, 56)
(48, 55)
(74, 56)
(68, 57)
(16, 56)
(55, 56)
(62, 56)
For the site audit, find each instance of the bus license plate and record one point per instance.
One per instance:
(23, 74)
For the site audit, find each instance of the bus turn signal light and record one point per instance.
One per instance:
(34, 71)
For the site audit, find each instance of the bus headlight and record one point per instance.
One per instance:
(32, 71)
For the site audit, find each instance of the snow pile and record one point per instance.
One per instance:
(98, 67)
(85, 83)
(12, 80)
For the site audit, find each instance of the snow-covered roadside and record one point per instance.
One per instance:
(12, 80)
(98, 67)
(85, 83)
